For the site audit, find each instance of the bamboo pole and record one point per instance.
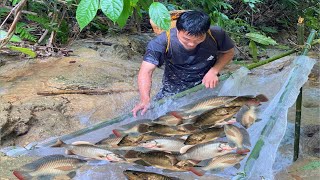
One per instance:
(300, 38)
(299, 99)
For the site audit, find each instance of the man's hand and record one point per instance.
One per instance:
(143, 106)
(210, 80)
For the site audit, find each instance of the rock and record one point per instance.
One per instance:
(309, 140)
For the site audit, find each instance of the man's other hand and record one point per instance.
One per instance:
(143, 106)
(210, 80)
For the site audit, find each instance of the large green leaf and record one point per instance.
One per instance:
(27, 51)
(86, 11)
(160, 15)
(14, 38)
(122, 20)
(112, 8)
(259, 38)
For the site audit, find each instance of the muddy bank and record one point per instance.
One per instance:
(26, 117)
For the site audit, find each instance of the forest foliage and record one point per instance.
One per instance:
(58, 22)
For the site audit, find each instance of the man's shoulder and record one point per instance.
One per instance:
(216, 29)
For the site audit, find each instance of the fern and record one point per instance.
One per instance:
(3, 12)
(42, 21)
(24, 31)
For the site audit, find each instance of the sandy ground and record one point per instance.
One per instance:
(28, 117)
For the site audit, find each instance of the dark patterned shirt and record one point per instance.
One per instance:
(185, 69)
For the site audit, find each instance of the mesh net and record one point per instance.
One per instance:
(280, 81)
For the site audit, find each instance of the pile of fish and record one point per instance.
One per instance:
(208, 135)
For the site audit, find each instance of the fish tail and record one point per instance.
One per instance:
(196, 171)
(22, 175)
(117, 132)
(143, 128)
(177, 114)
(262, 98)
(242, 150)
(59, 143)
(131, 154)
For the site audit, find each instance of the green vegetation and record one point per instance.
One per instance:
(249, 22)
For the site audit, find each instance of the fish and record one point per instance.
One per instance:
(247, 116)
(49, 167)
(158, 129)
(167, 144)
(247, 100)
(215, 117)
(140, 175)
(205, 151)
(201, 106)
(168, 119)
(238, 137)
(224, 161)
(169, 130)
(205, 135)
(139, 128)
(88, 150)
(160, 159)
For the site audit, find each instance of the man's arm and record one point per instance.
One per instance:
(144, 83)
(210, 80)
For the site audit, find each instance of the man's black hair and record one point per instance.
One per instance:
(195, 23)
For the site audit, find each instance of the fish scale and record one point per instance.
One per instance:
(204, 151)
(224, 161)
(210, 103)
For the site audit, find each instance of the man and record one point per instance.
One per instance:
(194, 56)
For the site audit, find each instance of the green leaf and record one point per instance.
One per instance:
(133, 3)
(122, 20)
(253, 50)
(112, 8)
(27, 51)
(14, 38)
(86, 11)
(160, 15)
(259, 38)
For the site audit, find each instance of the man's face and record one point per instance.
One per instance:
(188, 41)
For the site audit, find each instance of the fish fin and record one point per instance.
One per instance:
(240, 114)
(246, 137)
(59, 143)
(65, 168)
(141, 162)
(131, 154)
(69, 152)
(176, 114)
(237, 166)
(262, 98)
(188, 127)
(242, 150)
(214, 171)
(196, 171)
(72, 174)
(117, 132)
(185, 148)
(173, 159)
(194, 162)
(82, 143)
(143, 128)
(46, 177)
(22, 175)
(204, 162)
